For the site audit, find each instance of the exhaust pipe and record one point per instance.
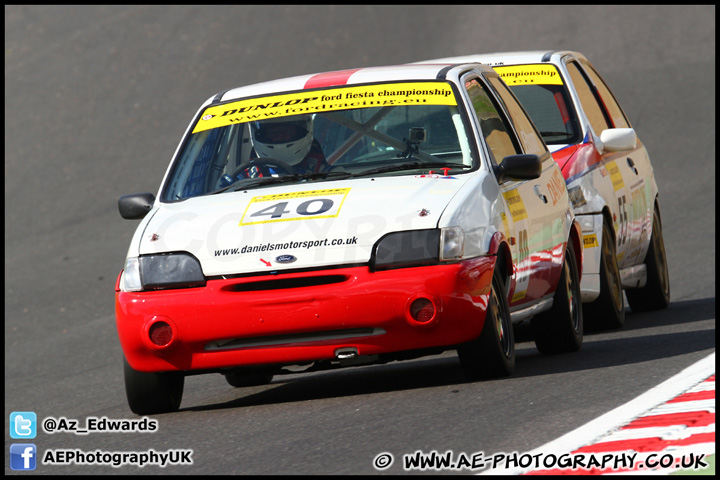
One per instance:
(346, 353)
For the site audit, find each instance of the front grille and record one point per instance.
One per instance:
(286, 283)
(293, 338)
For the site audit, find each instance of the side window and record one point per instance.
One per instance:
(529, 136)
(592, 109)
(493, 126)
(616, 114)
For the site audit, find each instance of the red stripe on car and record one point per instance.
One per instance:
(330, 79)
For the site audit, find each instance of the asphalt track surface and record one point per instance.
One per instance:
(96, 99)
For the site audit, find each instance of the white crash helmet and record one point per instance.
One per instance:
(287, 139)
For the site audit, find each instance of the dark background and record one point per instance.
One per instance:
(96, 100)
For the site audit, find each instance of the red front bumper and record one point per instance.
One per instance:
(301, 317)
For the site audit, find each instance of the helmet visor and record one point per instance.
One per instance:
(274, 133)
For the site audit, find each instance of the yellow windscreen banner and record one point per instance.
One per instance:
(541, 74)
(315, 101)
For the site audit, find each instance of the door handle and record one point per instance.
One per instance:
(632, 165)
(539, 194)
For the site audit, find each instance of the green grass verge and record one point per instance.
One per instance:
(706, 471)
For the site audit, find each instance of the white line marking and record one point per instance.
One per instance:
(674, 432)
(595, 429)
(680, 407)
(702, 387)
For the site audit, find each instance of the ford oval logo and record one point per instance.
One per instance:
(285, 259)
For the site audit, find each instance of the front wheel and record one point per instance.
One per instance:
(560, 329)
(149, 392)
(608, 311)
(655, 295)
(492, 354)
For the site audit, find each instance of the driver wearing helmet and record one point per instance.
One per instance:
(289, 140)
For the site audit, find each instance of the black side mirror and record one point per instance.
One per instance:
(135, 206)
(519, 167)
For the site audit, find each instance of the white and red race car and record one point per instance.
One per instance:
(608, 173)
(345, 218)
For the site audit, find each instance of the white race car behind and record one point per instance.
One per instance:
(608, 173)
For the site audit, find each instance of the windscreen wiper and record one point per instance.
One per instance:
(296, 177)
(411, 166)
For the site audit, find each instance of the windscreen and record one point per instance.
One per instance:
(315, 135)
(543, 94)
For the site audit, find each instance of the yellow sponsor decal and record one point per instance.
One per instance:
(516, 205)
(309, 193)
(315, 101)
(615, 176)
(590, 241)
(285, 207)
(530, 75)
(518, 296)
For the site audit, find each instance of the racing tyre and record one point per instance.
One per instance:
(149, 392)
(560, 329)
(239, 379)
(655, 295)
(608, 311)
(492, 353)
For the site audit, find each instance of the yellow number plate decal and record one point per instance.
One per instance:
(285, 207)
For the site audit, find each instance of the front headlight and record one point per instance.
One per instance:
(452, 243)
(167, 270)
(414, 248)
(131, 275)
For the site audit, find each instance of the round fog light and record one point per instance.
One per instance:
(161, 334)
(422, 310)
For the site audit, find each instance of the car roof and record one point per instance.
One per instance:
(509, 58)
(390, 73)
